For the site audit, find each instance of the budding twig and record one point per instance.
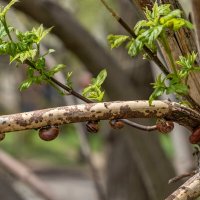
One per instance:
(131, 32)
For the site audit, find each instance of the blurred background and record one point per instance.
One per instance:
(121, 164)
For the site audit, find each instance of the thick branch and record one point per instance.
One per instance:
(189, 190)
(100, 111)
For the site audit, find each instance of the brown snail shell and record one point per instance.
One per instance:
(92, 126)
(116, 124)
(48, 133)
(164, 126)
(195, 136)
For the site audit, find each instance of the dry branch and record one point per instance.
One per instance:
(100, 111)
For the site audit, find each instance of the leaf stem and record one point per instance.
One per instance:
(3, 21)
(168, 51)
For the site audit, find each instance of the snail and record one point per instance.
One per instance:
(92, 126)
(195, 136)
(164, 126)
(48, 133)
(116, 124)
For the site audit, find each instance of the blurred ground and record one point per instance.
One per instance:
(68, 184)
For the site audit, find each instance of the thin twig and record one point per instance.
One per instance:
(177, 178)
(139, 126)
(79, 96)
(131, 32)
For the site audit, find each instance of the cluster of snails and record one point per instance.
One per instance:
(51, 132)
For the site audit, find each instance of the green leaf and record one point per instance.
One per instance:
(3, 32)
(164, 9)
(156, 93)
(116, 40)
(100, 78)
(68, 79)
(26, 84)
(93, 91)
(139, 25)
(48, 52)
(41, 33)
(172, 15)
(22, 56)
(178, 88)
(56, 69)
(134, 47)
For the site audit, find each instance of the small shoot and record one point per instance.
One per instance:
(94, 91)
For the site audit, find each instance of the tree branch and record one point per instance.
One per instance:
(131, 32)
(100, 111)
(189, 190)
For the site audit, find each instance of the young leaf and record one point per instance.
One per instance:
(116, 40)
(26, 84)
(93, 91)
(41, 33)
(56, 69)
(134, 47)
(100, 78)
(22, 56)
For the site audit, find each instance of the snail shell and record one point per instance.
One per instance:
(164, 126)
(48, 133)
(92, 126)
(116, 124)
(195, 136)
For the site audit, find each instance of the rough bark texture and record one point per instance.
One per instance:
(100, 111)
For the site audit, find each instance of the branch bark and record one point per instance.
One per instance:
(100, 111)
(189, 190)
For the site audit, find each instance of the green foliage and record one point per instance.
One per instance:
(175, 83)
(116, 40)
(147, 32)
(93, 91)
